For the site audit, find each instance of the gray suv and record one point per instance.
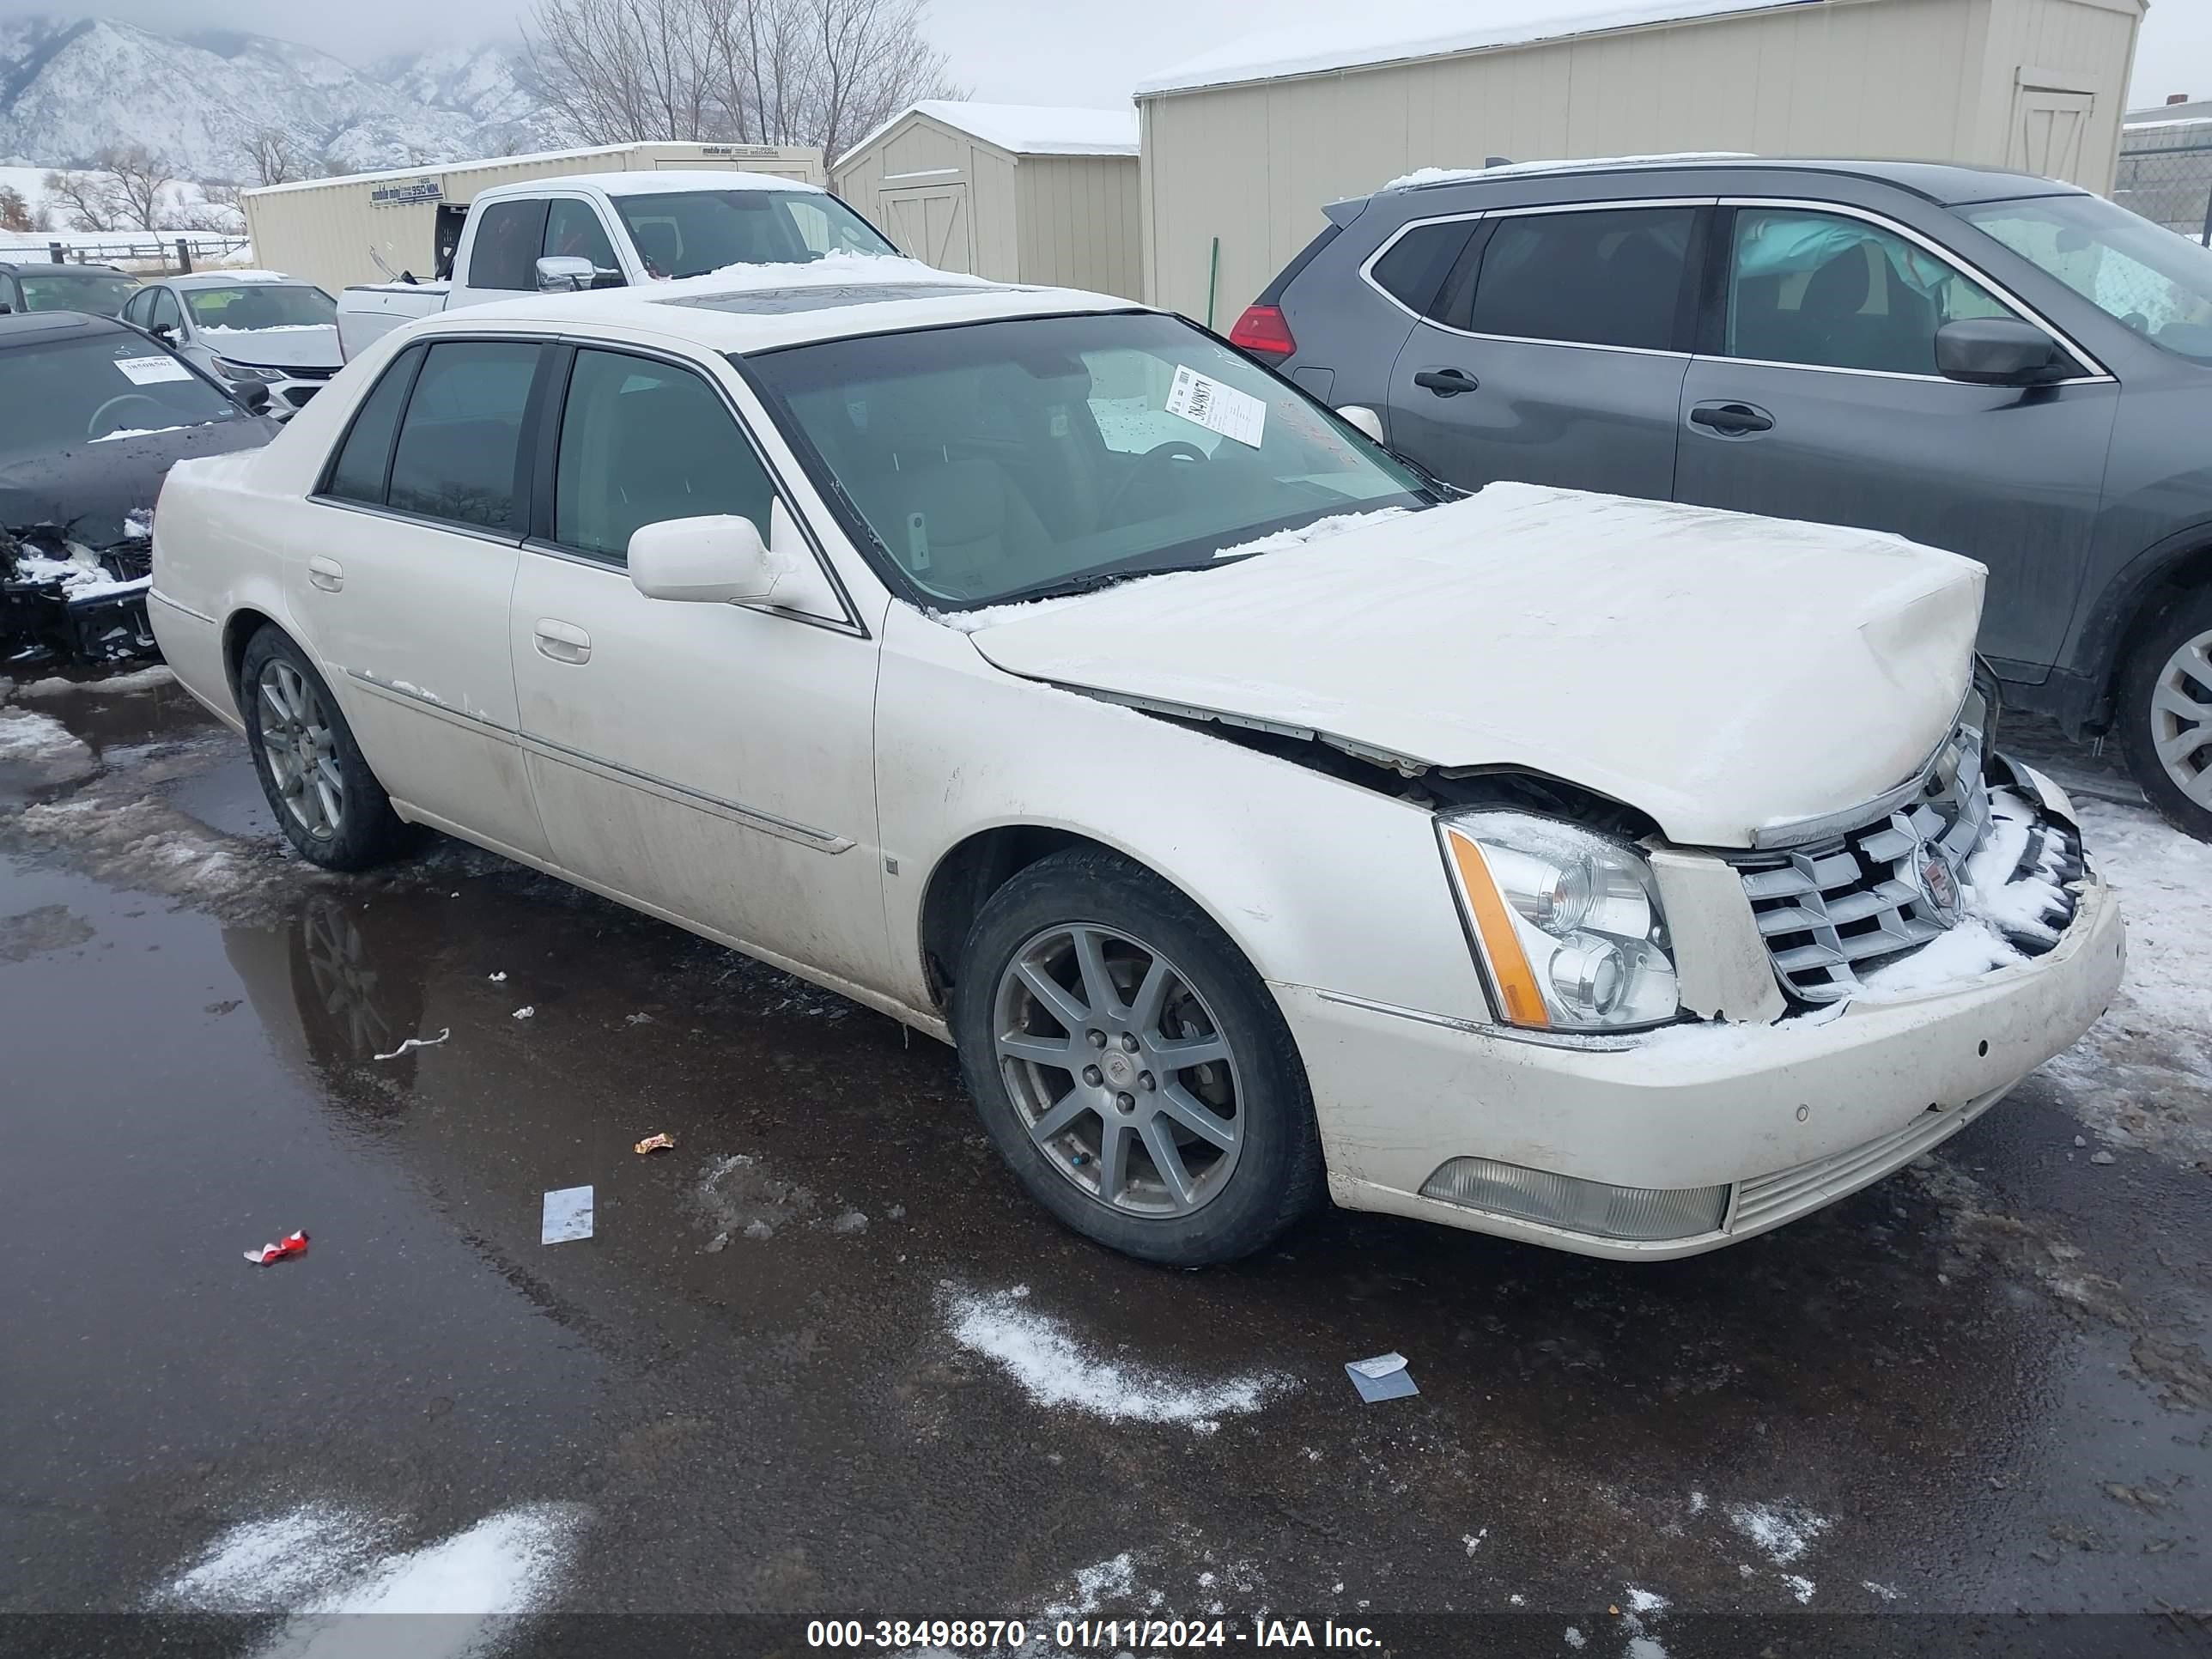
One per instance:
(2008, 368)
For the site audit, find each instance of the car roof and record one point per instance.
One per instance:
(654, 182)
(1949, 183)
(54, 268)
(748, 308)
(21, 327)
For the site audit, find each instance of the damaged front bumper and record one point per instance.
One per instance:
(62, 605)
(1697, 1135)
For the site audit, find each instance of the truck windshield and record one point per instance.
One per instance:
(1029, 456)
(261, 305)
(110, 386)
(692, 232)
(2133, 269)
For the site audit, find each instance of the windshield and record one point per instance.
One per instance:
(253, 306)
(102, 293)
(2156, 282)
(1016, 458)
(690, 233)
(111, 386)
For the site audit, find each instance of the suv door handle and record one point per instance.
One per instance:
(1446, 382)
(562, 642)
(1732, 420)
(326, 573)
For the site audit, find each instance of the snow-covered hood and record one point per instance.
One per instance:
(1719, 671)
(296, 345)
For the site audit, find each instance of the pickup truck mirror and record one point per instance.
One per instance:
(1995, 351)
(720, 560)
(565, 273)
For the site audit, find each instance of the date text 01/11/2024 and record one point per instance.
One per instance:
(1112, 1635)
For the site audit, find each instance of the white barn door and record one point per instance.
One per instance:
(2047, 130)
(932, 225)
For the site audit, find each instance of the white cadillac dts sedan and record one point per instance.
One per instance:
(1257, 820)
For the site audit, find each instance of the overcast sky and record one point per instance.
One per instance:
(1038, 52)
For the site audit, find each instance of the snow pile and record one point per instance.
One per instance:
(1505, 169)
(42, 744)
(81, 574)
(143, 679)
(1781, 1532)
(830, 270)
(1319, 531)
(1058, 1371)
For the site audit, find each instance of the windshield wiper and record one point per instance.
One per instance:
(1069, 585)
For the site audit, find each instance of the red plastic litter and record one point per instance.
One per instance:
(290, 1244)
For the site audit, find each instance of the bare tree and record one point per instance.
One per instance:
(139, 180)
(15, 211)
(85, 197)
(870, 62)
(272, 157)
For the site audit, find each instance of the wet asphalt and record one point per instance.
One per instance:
(1977, 1388)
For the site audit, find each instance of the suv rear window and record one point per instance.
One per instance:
(1607, 277)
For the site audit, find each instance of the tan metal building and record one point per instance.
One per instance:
(1013, 191)
(1246, 142)
(334, 231)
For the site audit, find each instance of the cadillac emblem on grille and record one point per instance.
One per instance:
(1938, 881)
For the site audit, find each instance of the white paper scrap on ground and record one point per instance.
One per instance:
(418, 1043)
(1217, 406)
(145, 371)
(1384, 1378)
(567, 1216)
(525, 1014)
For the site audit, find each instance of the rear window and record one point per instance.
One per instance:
(365, 458)
(1412, 269)
(1610, 277)
(459, 441)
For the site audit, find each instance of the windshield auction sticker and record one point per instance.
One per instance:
(145, 371)
(1217, 406)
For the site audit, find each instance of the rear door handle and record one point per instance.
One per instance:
(326, 573)
(562, 642)
(1732, 420)
(1446, 382)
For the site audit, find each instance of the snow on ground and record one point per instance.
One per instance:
(1781, 1532)
(44, 746)
(185, 199)
(1059, 1371)
(143, 679)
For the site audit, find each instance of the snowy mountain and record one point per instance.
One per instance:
(68, 89)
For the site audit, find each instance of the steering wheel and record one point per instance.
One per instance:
(99, 425)
(1150, 466)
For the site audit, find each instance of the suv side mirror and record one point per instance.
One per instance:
(1995, 351)
(565, 273)
(720, 560)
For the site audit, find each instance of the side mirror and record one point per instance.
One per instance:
(253, 395)
(164, 333)
(1363, 417)
(565, 273)
(1995, 351)
(711, 560)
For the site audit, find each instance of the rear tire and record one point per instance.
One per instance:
(1180, 1128)
(2165, 715)
(326, 800)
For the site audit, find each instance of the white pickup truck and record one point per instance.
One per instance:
(608, 230)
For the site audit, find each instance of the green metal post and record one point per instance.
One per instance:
(1213, 277)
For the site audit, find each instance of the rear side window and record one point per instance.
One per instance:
(643, 441)
(505, 252)
(365, 455)
(463, 430)
(1413, 270)
(1610, 277)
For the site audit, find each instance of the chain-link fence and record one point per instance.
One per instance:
(2166, 175)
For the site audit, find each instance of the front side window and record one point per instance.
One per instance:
(112, 385)
(572, 231)
(1606, 278)
(456, 457)
(2138, 273)
(688, 233)
(643, 441)
(504, 252)
(252, 306)
(1831, 291)
(104, 293)
(1023, 457)
(167, 314)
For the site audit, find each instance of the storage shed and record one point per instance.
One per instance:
(1246, 142)
(1017, 192)
(334, 232)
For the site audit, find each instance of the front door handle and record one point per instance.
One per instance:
(1732, 420)
(326, 573)
(1446, 382)
(562, 642)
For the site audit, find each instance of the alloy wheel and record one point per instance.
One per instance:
(302, 749)
(1119, 1070)
(2181, 718)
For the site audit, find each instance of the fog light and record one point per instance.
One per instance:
(1582, 1206)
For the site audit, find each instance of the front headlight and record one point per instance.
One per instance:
(1566, 922)
(231, 371)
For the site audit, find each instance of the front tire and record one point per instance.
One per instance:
(2166, 713)
(1131, 1066)
(326, 800)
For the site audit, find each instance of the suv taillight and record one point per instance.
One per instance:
(1262, 332)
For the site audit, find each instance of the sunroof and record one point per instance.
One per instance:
(768, 301)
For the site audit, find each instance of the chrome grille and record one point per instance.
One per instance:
(1848, 902)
